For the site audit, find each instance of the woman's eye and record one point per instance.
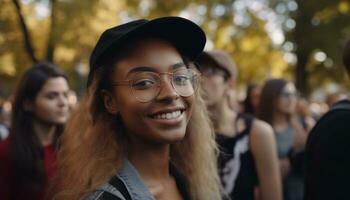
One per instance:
(143, 84)
(208, 71)
(51, 96)
(181, 79)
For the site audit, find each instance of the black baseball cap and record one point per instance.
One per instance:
(187, 37)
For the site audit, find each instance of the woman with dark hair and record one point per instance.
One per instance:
(40, 109)
(141, 131)
(277, 107)
(251, 102)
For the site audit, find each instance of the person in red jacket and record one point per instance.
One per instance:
(27, 157)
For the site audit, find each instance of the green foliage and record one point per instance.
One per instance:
(321, 26)
(77, 27)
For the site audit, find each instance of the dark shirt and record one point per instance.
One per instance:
(328, 157)
(236, 163)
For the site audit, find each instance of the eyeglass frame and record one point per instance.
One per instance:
(128, 82)
(216, 71)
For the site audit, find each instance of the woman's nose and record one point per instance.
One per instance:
(62, 100)
(167, 91)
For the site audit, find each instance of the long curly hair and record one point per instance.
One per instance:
(93, 147)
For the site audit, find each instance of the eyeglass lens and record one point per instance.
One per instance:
(146, 85)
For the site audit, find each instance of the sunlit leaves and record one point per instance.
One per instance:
(241, 27)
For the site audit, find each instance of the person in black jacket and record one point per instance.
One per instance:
(328, 149)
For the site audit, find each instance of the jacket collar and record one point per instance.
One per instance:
(133, 182)
(137, 188)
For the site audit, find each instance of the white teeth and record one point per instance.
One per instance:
(171, 115)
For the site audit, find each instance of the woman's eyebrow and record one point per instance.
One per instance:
(152, 69)
(178, 65)
(142, 69)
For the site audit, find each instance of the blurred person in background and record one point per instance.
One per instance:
(141, 131)
(327, 151)
(277, 107)
(304, 114)
(39, 111)
(318, 109)
(251, 102)
(332, 98)
(248, 155)
(4, 119)
(72, 100)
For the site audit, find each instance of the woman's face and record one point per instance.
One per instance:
(51, 103)
(162, 119)
(213, 84)
(287, 99)
(255, 97)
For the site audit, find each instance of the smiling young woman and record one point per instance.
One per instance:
(141, 131)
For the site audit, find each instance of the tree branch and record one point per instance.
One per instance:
(51, 40)
(27, 43)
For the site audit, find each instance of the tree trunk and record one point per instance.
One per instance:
(301, 74)
(27, 42)
(302, 19)
(51, 41)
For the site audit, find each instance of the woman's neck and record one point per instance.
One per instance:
(150, 160)
(223, 119)
(226, 124)
(45, 132)
(280, 119)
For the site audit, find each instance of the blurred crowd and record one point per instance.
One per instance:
(306, 110)
(261, 138)
(272, 101)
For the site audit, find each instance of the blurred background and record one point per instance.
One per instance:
(294, 39)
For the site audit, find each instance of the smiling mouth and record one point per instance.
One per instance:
(168, 115)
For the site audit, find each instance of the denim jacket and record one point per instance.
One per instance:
(133, 182)
(134, 185)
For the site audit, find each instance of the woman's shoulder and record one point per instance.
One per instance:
(262, 132)
(256, 128)
(103, 195)
(115, 189)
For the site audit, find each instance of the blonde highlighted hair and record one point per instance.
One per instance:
(92, 149)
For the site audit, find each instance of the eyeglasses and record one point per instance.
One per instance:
(146, 85)
(212, 71)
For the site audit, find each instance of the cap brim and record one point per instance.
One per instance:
(210, 57)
